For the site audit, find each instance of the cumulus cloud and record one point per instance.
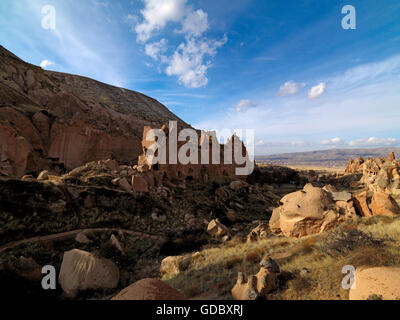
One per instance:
(372, 141)
(156, 14)
(332, 142)
(317, 91)
(289, 88)
(155, 49)
(243, 105)
(188, 62)
(46, 63)
(195, 23)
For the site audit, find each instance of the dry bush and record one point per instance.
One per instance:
(230, 263)
(340, 241)
(371, 257)
(307, 245)
(255, 255)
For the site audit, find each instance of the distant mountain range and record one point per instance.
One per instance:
(329, 158)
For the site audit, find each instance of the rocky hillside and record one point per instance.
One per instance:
(50, 119)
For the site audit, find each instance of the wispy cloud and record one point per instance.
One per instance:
(244, 105)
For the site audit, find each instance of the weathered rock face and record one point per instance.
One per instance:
(149, 289)
(306, 212)
(361, 203)
(383, 204)
(380, 281)
(80, 270)
(49, 117)
(380, 174)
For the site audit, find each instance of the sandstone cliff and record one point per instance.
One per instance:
(50, 119)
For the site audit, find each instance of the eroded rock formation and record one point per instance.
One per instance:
(48, 119)
(309, 211)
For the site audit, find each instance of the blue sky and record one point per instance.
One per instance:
(284, 68)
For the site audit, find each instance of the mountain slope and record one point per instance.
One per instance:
(49, 118)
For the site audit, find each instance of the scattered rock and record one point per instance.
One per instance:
(82, 238)
(258, 233)
(27, 268)
(124, 184)
(149, 289)
(237, 185)
(81, 270)
(116, 244)
(231, 215)
(217, 229)
(175, 265)
(269, 264)
(139, 184)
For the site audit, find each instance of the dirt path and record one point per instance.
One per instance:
(71, 234)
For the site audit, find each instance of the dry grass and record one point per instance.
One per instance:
(216, 272)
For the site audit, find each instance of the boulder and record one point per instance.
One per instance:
(149, 289)
(175, 265)
(379, 281)
(82, 238)
(309, 211)
(383, 204)
(217, 229)
(124, 184)
(139, 184)
(258, 233)
(237, 185)
(231, 215)
(256, 287)
(341, 196)
(27, 268)
(360, 201)
(81, 270)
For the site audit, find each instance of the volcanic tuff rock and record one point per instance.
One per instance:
(379, 281)
(149, 289)
(309, 211)
(48, 118)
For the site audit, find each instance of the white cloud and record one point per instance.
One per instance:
(156, 14)
(154, 49)
(243, 105)
(372, 141)
(46, 63)
(333, 142)
(195, 23)
(188, 61)
(289, 88)
(317, 91)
